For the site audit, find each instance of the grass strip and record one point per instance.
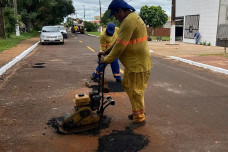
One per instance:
(163, 38)
(94, 33)
(221, 54)
(8, 43)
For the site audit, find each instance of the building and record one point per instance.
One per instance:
(209, 17)
(161, 31)
(97, 19)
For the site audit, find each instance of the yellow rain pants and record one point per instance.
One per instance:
(134, 84)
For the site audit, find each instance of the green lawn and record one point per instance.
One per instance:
(94, 33)
(164, 38)
(221, 54)
(8, 43)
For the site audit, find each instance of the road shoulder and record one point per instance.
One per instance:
(7, 55)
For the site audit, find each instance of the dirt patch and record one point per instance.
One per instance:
(8, 55)
(213, 60)
(214, 55)
(126, 141)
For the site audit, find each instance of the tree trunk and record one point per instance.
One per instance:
(2, 32)
(29, 25)
(152, 31)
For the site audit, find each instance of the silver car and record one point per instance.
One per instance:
(62, 30)
(51, 34)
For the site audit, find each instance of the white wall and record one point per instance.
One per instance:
(167, 24)
(208, 11)
(223, 15)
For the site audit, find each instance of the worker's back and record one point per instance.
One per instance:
(132, 45)
(107, 41)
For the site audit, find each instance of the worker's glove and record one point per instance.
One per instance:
(102, 59)
(101, 53)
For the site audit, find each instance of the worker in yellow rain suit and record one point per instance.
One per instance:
(75, 30)
(107, 39)
(132, 50)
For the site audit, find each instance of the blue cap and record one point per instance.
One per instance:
(115, 4)
(110, 29)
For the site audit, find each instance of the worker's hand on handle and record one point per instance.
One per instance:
(102, 59)
(102, 53)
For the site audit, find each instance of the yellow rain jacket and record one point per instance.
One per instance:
(132, 40)
(132, 49)
(107, 41)
(75, 28)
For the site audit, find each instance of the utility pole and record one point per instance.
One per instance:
(173, 28)
(15, 15)
(84, 11)
(100, 10)
(100, 15)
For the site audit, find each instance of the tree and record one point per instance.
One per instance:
(91, 27)
(106, 19)
(35, 13)
(153, 16)
(2, 5)
(9, 21)
(44, 12)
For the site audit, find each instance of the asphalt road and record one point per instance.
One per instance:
(186, 106)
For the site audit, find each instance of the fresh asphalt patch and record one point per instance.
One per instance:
(39, 65)
(117, 141)
(103, 123)
(122, 141)
(115, 86)
(112, 85)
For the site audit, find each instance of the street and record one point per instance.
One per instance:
(186, 107)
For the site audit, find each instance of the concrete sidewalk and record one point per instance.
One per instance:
(209, 55)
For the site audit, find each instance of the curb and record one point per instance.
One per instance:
(93, 35)
(17, 59)
(151, 51)
(205, 66)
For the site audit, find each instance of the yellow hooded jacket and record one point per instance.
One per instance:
(75, 28)
(107, 41)
(131, 45)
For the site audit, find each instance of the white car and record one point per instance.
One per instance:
(62, 30)
(51, 34)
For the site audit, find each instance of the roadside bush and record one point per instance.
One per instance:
(10, 21)
(205, 43)
(91, 27)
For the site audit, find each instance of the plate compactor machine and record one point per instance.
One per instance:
(88, 109)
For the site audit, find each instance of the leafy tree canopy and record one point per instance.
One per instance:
(153, 16)
(44, 12)
(10, 21)
(91, 27)
(106, 19)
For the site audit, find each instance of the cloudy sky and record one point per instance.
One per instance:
(92, 7)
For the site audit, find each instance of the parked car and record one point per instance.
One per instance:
(62, 30)
(51, 34)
